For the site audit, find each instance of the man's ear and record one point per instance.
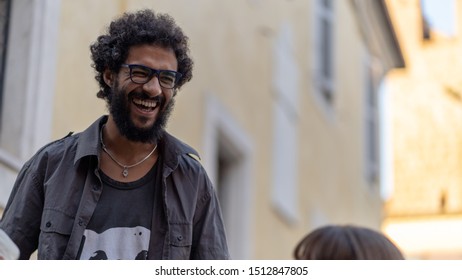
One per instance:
(108, 77)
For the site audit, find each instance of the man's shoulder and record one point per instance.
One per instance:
(178, 153)
(57, 147)
(173, 144)
(73, 144)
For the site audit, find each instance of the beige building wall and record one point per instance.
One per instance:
(424, 212)
(255, 62)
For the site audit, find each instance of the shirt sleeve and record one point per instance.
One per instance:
(22, 215)
(209, 237)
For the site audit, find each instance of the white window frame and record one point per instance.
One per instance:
(223, 131)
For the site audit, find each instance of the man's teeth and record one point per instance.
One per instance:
(145, 103)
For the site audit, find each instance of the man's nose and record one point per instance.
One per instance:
(153, 86)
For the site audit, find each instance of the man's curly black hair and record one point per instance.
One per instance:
(143, 27)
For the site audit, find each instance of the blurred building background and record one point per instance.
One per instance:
(424, 213)
(283, 107)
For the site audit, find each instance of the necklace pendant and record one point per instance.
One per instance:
(125, 172)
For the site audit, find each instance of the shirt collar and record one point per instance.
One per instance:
(88, 143)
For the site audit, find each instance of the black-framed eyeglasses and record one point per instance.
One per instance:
(140, 74)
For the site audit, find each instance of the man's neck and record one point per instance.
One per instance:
(124, 160)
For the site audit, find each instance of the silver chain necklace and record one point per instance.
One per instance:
(124, 167)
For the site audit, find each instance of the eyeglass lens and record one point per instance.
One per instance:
(142, 74)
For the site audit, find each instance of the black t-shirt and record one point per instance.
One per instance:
(120, 226)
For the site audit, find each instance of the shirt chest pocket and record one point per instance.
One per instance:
(55, 230)
(54, 221)
(180, 241)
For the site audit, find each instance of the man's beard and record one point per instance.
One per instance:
(119, 107)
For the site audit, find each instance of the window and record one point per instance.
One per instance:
(386, 140)
(284, 193)
(228, 161)
(28, 50)
(371, 121)
(324, 50)
(29, 77)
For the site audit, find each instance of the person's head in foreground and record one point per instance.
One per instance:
(336, 242)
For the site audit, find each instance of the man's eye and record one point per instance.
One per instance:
(139, 73)
(167, 77)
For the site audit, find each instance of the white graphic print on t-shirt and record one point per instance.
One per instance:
(121, 243)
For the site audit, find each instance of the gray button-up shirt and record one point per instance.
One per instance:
(57, 190)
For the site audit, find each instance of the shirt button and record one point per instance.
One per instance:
(95, 188)
(48, 224)
(80, 223)
(179, 237)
